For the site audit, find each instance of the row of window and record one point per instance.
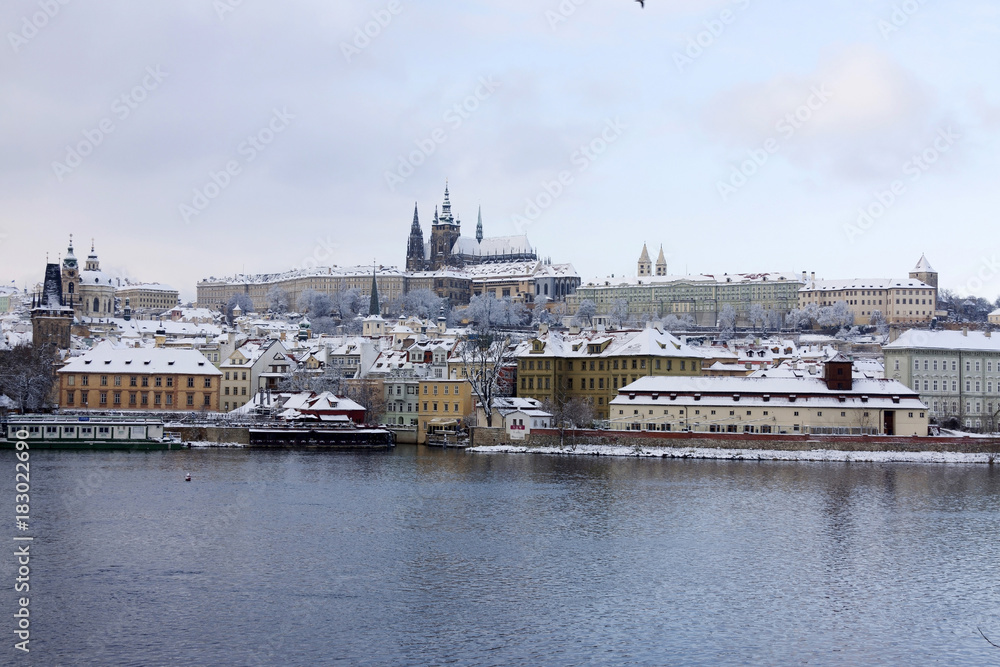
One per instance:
(968, 407)
(932, 364)
(235, 373)
(134, 398)
(136, 381)
(932, 385)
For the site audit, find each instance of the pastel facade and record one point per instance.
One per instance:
(956, 373)
(142, 379)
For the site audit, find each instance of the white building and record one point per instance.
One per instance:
(833, 404)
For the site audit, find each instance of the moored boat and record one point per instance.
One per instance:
(85, 432)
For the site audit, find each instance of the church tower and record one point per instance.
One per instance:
(444, 233)
(645, 267)
(924, 272)
(661, 263)
(70, 275)
(479, 227)
(415, 245)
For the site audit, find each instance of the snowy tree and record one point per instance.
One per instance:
(618, 313)
(585, 313)
(349, 304)
(836, 316)
(27, 376)
(243, 301)
(422, 303)
(278, 300)
(756, 316)
(541, 315)
(485, 310)
(727, 321)
(330, 379)
(773, 320)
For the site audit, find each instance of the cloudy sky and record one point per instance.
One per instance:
(197, 138)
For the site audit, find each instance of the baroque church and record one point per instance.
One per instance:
(90, 291)
(447, 248)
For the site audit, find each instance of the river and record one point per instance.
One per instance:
(423, 556)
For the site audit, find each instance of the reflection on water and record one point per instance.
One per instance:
(425, 556)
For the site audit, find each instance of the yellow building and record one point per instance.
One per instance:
(443, 405)
(165, 379)
(594, 365)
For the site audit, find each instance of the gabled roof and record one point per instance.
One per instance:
(105, 358)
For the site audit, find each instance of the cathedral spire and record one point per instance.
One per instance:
(446, 216)
(479, 226)
(415, 227)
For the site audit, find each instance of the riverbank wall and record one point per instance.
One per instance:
(483, 437)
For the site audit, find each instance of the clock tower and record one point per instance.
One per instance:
(70, 275)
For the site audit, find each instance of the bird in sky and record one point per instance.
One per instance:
(642, 3)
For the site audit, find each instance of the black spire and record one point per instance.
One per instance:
(373, 307)
(479, 227)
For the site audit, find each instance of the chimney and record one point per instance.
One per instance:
(965, 331)
(814, 276)
(987, 333)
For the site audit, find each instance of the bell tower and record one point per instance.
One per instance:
(445, 231)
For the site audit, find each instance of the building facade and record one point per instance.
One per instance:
(835, 404)
(141, 379)
(595, 365)
(148, 299)
(956, 373)
(443, 405)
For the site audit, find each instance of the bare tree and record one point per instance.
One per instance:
(486, 353)
(756, 316)
(370, 394)
(243, 301)
(27, 376)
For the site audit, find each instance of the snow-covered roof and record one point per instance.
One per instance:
(863, 283)
(106, 358)
(643, 342)
(707, 278)
(491, 246)
(156, 287)
(763, 390)
(96, 278)
(342, 271)
(923, 266)
(945, 340)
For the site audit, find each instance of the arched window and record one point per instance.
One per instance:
(97, 305)
(71, 286)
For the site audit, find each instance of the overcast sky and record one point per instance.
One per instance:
(115, 113)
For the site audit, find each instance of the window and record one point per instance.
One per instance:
(118, 380)
(118, 398)
(190, 399)
(190, 382)
(170, 399)
(208, 383)
(435, 406)
(456, 407)
(156, 398)
(170, 382)
(916, 364)
(132, 380)
(208, 400)
(69, 397)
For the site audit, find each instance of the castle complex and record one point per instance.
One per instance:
(447, 248)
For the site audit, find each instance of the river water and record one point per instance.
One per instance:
(422, 556)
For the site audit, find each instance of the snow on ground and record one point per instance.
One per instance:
(742, 454)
